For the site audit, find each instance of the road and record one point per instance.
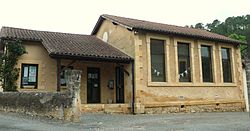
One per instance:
(237, 121)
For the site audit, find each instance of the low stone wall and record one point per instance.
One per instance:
(225, 107)
(49, 104)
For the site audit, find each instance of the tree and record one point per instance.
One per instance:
(240, 38)
(199, 26)
(9, 73)
(213, 25)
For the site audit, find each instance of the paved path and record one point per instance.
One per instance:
(97, 122)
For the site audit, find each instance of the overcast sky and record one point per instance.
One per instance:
(80, 16)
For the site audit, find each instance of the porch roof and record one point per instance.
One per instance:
(66, 45)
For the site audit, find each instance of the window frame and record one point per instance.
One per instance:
(212, 58)
(231, 62)
(166, 39)
(190, 51)
(22, 86)
(164, 60)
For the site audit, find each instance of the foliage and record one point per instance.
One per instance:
(8, 71)
(239, 25)
(240, 38)
(199, 26)
(234, 27)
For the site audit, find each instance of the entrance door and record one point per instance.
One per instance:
(93, 85)
(119, 84)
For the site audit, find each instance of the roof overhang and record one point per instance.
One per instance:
(90, 58)
(190, 36)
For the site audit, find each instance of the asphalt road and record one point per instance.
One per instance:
(237, 121)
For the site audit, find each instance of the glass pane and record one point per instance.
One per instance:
(224, 53)
(206, 64)
(25, 80)
(184, 62)
(25, 71)
(157, 60)
(226, 65)
(32, 74)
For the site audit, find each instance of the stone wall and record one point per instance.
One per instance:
(59, 105)
(49, 104)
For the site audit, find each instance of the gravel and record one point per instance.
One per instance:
(228, 121)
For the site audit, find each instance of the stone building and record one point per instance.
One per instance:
(137, 66)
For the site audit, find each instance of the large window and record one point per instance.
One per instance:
(206, 59)
(157, 52)
(226, 65)
(184, 62)
(29, 75)
(62, 74)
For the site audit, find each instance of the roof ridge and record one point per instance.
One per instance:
(43, 31)
(153, 22)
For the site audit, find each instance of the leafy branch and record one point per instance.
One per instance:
(9, 73)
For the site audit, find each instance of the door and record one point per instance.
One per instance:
(119, 84)
(93, 85)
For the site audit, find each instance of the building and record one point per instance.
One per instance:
(136, 66)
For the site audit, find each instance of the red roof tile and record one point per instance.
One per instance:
(65, 44)
(147, 26)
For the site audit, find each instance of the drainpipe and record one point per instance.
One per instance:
(133, 89)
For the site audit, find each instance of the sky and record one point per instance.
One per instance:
(80, 16)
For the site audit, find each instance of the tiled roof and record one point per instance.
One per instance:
(141, 25)
(68, 45)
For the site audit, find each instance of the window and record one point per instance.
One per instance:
(29, 75)
(226, 65)
(157, 51)
(184, 62)
(206, 64)
(62, 74)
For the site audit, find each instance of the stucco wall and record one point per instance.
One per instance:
(118, 36)
(37, 54)
(47, 81)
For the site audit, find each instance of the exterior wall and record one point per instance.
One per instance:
(118, 36)
(47, 73)
(163, 95)
(245, 89)
(107, 72)
(37, 54)
(173, 93)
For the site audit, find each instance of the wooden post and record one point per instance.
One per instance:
(58, 75)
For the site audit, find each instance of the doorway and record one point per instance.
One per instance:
(119, 84)
(93, 85)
